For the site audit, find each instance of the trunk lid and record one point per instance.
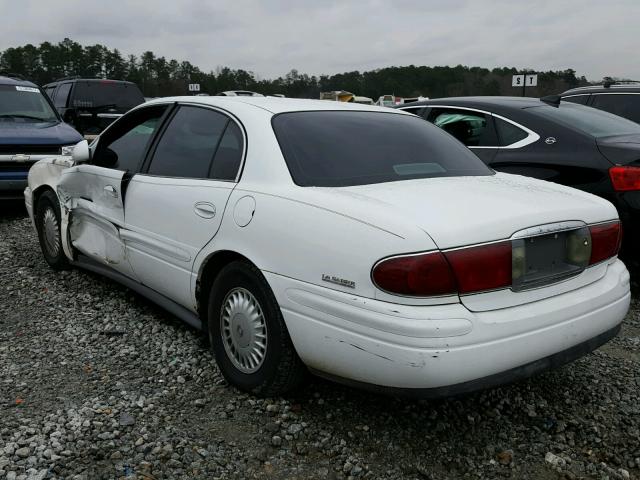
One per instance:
(460, 211)
(620, 149)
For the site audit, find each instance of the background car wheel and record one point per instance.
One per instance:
(248, 335)
(48, 226)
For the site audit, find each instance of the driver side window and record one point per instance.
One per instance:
(122, 147)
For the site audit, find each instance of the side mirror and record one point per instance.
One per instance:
(81, 152)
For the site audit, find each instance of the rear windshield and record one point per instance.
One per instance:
(106, 94)
(24, 104)
(586, 119)
(345, 148)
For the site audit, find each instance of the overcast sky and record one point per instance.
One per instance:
(596, 38)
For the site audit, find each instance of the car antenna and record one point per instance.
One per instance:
(553, 100)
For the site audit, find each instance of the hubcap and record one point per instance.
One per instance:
(244, 330)
(51, 232)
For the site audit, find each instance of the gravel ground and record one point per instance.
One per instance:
(96, 382)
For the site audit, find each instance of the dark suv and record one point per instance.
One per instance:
(30, 129)
(91, 104)
(619, 98)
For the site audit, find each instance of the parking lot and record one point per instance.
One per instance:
(96, 382)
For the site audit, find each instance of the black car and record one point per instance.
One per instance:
(620, 98)
(91, 104)
(30, 129)
(552, 140)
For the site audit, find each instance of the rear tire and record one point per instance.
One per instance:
(248, 335)
(47, 220)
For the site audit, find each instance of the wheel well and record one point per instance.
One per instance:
(208, 273)
(37, 193)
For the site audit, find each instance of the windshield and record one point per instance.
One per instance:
(586, 119)
(106, 94)
(24, 103)
(345, 148)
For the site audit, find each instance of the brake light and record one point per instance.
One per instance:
(473, 269)
(422, 275)
(477, 268)
(625, 178)
(485, 267)
(605, 241)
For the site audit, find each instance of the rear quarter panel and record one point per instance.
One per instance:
(571, 158)
(289, 237)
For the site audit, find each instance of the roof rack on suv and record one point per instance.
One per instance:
(607, 82)
(71, 77)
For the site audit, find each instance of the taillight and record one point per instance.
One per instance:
(485, 267)
(605, 241)
(625, 178)
(473, 269)
(421, 275)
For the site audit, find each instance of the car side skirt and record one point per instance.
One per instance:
(170, 306)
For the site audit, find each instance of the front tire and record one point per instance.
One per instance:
(47, 221)
(248, 335)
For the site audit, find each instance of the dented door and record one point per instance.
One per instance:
(93, 197)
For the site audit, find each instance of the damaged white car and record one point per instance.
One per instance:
(360, 243)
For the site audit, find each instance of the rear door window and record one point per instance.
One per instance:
(62, 94)
(625, 105)
(228, 158)
(508, 133)
(49, 92)
(474, 129)
(189, 143)
(345, 148)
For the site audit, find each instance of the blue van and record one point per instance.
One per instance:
(30, 129)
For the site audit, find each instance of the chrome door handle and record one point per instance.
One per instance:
(205, 209)
(111, 190)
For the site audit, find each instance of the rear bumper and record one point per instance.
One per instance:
(509, 376)
(441, 350)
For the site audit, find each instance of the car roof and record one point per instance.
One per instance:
(631, 88)
(16, 81)
(274, 105)
(479, 102)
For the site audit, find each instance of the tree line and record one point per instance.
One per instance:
(157, 76)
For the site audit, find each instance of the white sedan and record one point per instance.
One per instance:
(360, 243)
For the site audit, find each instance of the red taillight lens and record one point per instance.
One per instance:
(625, 179)
(485, 267)
(605, 241)
(473, 269)
(421, 275)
